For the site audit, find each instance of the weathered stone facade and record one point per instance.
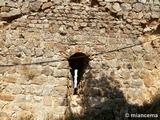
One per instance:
(121, 38)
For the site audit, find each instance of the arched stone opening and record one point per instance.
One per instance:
(78, 62)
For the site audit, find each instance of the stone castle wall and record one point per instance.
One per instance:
(121, 38)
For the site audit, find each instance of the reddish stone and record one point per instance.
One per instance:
(9, 79)
(6, 97)
(148, 82)
(46, 5)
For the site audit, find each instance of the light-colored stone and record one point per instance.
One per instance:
(4, 116)
(63, 65)
(155, 14)
(137, 7)
(61, 73)
(116, 7)
(14, 12)
(142, 1)
(126, 6)
(47, 100)
(47, 70)
(136, 83)
(35, 6)
(149, 65)
(23, 98)
(140, 15)
(38, 52)
(59, 91)
(2, 3)
(3, 70)
(38, 80)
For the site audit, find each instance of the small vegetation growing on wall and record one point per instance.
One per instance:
(135, 59)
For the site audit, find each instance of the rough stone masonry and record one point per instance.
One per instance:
(121, 38)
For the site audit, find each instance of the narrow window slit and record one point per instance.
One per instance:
(75, 78)
(78, 63)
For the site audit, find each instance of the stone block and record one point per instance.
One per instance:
(143, 73)
(59, 101)
(14, 12)
(24, 80)
(109, 56)
(95, 65)
(102, 40)
(35, 6)
(22, 70)
(34, 89)
(148, 81)
(138, 65)
(9, 79)
(61, 81)
(47, 71)
(48, 54)
(61, 73)
(126, 75)
(136, 83)
(142, 1)
(5, 9)
(4, 116)
(59, 91)
(63, 65)
(149, 65)
(47, 100)
(116, 7)
(155, 14)
(40, 80)
(156, 2)
(23, 98)
(17, 89)
(2, 3)
(137, 7)
(46, 5)
(6, 97)
(135, 75)
(35, 71)
(155, 8)
(131, 95)
(3, 70)
(38, 52)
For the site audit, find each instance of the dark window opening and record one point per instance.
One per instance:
(78, 62)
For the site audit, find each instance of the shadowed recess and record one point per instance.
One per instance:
(78, 61)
